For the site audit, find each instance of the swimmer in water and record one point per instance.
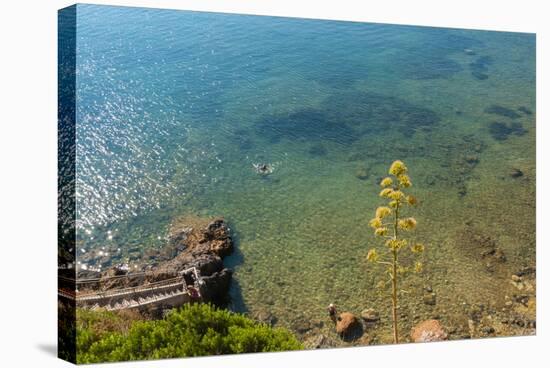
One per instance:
(263, 169)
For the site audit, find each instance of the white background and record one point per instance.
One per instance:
(28, 175)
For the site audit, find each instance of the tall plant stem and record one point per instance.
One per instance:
(394, 277)
(394, 297)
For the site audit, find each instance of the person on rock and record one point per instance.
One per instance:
(193, 293)
(332, 312)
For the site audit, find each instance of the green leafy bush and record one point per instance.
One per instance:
(193, 330)
(66, 330)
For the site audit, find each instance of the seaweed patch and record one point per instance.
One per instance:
(501, 131)
(480, 67)
(357, 114)
(525, 110)
(372, 113)
(318, 150)
(502, 111)
(306, 124)
(241, 138)
(431, 56)
(431, 67)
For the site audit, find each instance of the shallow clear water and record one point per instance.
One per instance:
(174, 107)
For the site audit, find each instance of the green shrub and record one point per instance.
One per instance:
(193, 330)
(66, 329)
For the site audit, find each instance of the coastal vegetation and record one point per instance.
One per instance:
(66, 327)
(193, 330)
(388, 224)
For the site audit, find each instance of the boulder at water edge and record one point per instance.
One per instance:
(428, 331)
(348, 326)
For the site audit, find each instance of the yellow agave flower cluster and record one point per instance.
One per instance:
(396, 196)
(392, 190)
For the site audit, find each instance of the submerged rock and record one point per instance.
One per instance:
(428, 331)
(472, 159)
(522, 299)
(502, 111)
(241, 138)
(477, 245)
(488, 330)
(516, 278)
(527, 270)
(524, 283)
(362, 173)
(370, 315)
(500, 131)
(318, 150)
(480, 67)
(462, 190)
(319, 342)
(430, 179)
(480, 75)
(476, 312)
(495, 253)
(516, 173)
(302, 325)
(525, 110)
(429, 298)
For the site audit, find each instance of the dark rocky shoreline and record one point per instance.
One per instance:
(192, 242)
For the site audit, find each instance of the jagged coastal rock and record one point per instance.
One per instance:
(192, 242)
(204, 242)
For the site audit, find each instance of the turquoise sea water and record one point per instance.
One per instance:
(174, 108)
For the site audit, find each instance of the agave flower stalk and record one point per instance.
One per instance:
(390, 217)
